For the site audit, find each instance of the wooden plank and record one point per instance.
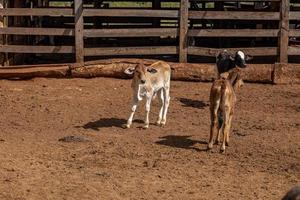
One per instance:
(130, 13)
(294, 50)
(36, 12)
(183, 31)
(284, 31)
(37, 31)
(131, 32)
(234, 15)
(36, 49)
(79, 43)
(235, 0)
(233, 33)
(294, 33)
(212, 52)
(154, 50)
(294, 15)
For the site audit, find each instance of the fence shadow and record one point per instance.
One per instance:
(193, 103)
(180, 141)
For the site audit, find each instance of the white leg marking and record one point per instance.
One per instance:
(161, 100)
(166, 92)
(133, 109)
(148, 103)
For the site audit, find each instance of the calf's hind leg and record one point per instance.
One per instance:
(213, 124)
(166, 94)
(161, 100)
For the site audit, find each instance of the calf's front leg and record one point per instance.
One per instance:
(133, 109)
(148, 104)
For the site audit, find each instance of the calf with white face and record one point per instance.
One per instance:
(147, 82)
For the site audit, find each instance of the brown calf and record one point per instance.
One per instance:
(222, 100)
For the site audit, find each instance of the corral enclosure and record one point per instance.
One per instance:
(46, 31)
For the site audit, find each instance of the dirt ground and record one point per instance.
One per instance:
(262, 161)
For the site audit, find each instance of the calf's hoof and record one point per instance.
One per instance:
(126, 126)
(210, 145)
(162, 123)
(222, 150)
(146, 126)
(158, 122)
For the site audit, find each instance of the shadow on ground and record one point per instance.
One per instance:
(193, 103)
(106, 123)
(180, 141)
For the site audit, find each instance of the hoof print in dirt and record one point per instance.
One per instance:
(2, 140)
(72, 138)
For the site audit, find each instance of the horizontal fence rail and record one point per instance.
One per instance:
(175, 23)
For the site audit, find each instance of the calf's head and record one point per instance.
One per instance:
(226, 62)
(139, 72)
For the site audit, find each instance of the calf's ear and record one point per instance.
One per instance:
(151, 70)
(129, 70)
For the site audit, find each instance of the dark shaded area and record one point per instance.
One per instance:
(293, 194)
(104, 123)
(73, 138)
(180, 141)
(193, 103)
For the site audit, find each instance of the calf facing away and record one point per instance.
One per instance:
(222, 101)
(148, 82)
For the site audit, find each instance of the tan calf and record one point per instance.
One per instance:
(222, 100)
(147, 82)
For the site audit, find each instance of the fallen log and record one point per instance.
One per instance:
(28, 72)
(115, 67)
(180, 71)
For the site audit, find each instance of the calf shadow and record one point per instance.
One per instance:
(180, 141)
(106, 123)
(193, 103)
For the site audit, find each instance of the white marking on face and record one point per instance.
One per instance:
(241, 54)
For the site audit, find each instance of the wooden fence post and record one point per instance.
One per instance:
(79, 46)
(183, 33)
(284, 31)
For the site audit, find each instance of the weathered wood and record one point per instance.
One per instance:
(180, 71)
(212, 52)
(294, 32)
(132, 32)
(130, 13)
(36, 49)
(115, 68)
(155, 50)
(62, 71)
(294, 15)
(233, 33)
(79, 43)
(183, 31)
(36, 12)
(294, 50)
(236, 0)
(284, 31)
(234, 15)
(37, 31)
(2, 55)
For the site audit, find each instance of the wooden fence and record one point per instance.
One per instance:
(183, 30)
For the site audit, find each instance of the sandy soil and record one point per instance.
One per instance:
(262, 161)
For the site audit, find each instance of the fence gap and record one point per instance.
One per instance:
(183, 32)
(79, 43)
